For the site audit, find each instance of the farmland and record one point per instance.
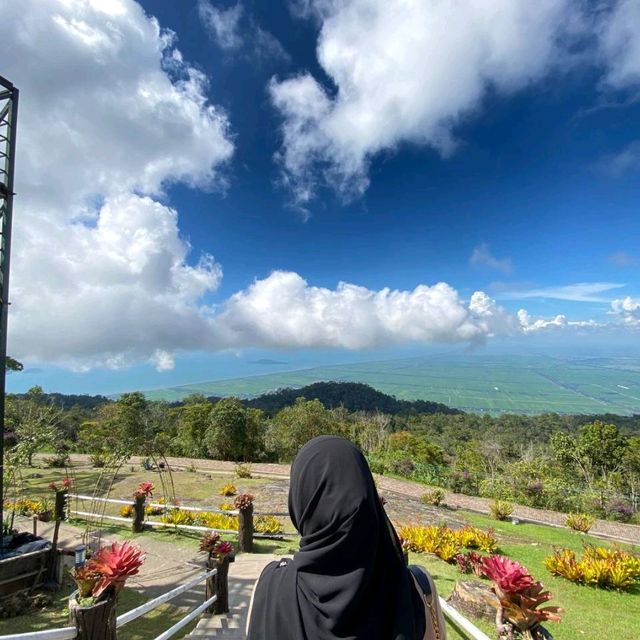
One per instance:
(484, 384)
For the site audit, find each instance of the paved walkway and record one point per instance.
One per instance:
(243, 574)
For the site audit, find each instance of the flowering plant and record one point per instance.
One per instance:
(222, 549)
(67, 483)
(108, 570)
(144, 489)
(520, 596)
(209, 541)
(243, 501)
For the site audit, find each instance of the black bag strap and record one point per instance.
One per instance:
(421, 578)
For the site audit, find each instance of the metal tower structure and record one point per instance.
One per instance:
(8, 124)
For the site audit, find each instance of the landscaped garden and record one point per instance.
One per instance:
(444, 542)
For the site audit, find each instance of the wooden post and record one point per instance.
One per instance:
(96, 622)
(138, 513)
(61, 504)
(35, 525)
(245, 529)
(218, 584)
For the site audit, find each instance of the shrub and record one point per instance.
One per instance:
(619, 510)
(445, 542)
(501, 509)
(377, 465)
(470, 562)
(434, 497)
(153, 511)
(580, 522)
(59, 461)
(126, 511)
(243, 470)
(404, 467)
(217, 521)
(147, 464)
(474, 538)
(599, 566)
(228, 489)
(178, 516)
(267, 524)
(99, 461)
(226, 506)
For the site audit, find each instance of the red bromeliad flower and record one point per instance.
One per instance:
(508, 576)
(67, 483)
(53, 486)
(222, 549)
(115, 564)
(144, 489)
(209, 541)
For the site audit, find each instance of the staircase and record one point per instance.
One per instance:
(243, 574)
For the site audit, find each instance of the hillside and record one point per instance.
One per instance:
(353, 396)
(473, 383)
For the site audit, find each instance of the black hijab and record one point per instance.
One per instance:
(349, 579)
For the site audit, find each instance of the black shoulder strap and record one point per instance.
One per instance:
(421, 578)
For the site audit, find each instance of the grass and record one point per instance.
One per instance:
(590, 613)
(148, 626)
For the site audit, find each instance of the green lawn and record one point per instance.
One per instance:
(148, 626)
(590, 613)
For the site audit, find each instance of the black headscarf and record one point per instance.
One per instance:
(349, 579)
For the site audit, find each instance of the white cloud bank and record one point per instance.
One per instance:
(109, 114)
(408, 71)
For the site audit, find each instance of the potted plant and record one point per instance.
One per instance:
(219, 556)
(520, 613)
(92, 608)
(44, 510)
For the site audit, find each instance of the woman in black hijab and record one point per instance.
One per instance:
(349, 580)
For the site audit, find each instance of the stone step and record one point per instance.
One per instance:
(243, 574)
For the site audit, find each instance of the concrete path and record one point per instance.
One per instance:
(243, 574)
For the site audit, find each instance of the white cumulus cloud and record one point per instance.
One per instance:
(628, 310)
(284, 311)
(110, 114)
(534, 325)
(406, 71)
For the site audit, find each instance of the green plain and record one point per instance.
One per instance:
(481, 384)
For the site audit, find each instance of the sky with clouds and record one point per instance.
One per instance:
(208, 184)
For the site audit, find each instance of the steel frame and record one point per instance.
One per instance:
(8, 125)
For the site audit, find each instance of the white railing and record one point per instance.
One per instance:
(69, 633)
(65, 633)
(169, 525)
(463, 625)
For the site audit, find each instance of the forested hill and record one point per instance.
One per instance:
(67, 401)
(353, 396)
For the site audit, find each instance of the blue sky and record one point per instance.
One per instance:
(301, 145)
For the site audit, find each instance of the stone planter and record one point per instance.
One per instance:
(44, 516)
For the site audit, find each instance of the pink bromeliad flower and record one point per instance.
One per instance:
(507, 575)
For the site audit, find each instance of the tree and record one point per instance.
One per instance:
(297, 424)
(11, 364)
(193, 419)
(34, 423)
(595, 452)
(234, 432)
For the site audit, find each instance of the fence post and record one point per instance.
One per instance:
(61, 504)
(138, 513)
(245, 528)
(218, 584)
(96, 622)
